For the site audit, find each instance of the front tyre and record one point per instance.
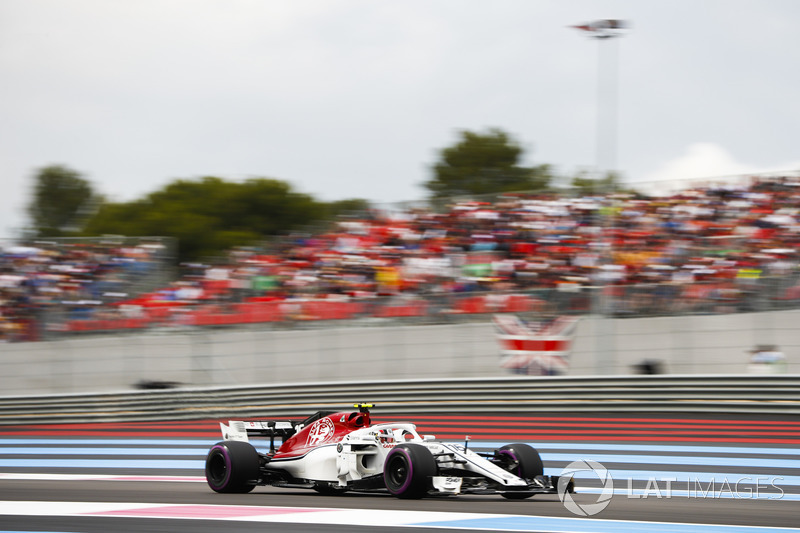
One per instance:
(521, 460)
(232, 467)
(408, 469)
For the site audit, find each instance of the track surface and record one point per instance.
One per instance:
(734, 471)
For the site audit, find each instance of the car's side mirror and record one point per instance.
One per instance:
(428, 437)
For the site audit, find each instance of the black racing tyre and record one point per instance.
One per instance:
(232, 467)
(408, 469)
(523, 461)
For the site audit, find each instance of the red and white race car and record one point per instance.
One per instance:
(334, 452)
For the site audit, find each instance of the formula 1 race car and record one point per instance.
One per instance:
(334, 452)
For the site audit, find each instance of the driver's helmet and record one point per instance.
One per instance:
(385, 436)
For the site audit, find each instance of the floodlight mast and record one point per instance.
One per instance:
(604, 30)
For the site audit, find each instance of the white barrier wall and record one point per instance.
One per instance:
(686, 344)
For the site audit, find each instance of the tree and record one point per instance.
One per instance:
(610, 183)
(349, 206)
(209, 216)
(484, 164)
(62, 201)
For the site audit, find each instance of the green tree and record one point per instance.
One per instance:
(348, 206)
(62, 201)
(610, 183)
(210, 216)
(484, 163)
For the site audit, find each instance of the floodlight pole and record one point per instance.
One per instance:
(605, 30)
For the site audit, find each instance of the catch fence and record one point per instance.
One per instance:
(741, 295)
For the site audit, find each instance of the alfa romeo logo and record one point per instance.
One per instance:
(585, 509)
(320, 432)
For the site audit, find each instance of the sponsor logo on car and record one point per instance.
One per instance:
(320, 432)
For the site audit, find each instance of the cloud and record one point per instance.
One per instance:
(705, 163)
(700, 160)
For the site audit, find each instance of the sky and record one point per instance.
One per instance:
(356, 98)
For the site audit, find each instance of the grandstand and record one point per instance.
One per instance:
(711, 249)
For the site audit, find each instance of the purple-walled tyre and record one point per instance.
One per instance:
(408, 469)
(232, 467)
(523, 461)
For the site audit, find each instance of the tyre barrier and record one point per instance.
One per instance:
(769, 394)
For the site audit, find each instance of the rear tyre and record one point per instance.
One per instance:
(232, 467)
(523, 461)
(408, 469)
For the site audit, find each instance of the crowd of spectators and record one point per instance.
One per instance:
(55, 275)
(722, 239)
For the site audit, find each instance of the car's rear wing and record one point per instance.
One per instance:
(242, 431)
(283, 429)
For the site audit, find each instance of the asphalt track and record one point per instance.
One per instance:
(670, 474)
